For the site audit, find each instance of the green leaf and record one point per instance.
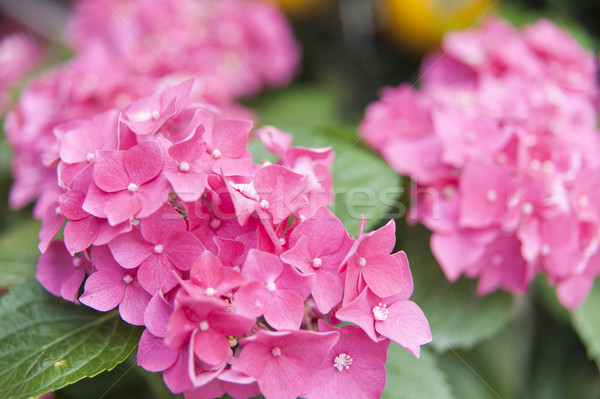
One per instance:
(5, 156)
(47, 343)
(363, 182)
(466, 381)
(411, 378)
(458, 317)
(586, 321)
(560, 367)
(19, 253)
(298, 106)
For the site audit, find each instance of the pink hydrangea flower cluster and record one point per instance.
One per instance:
(19, 54)
(127, 49)
(237, 270)
(503, 145)
(233, 47)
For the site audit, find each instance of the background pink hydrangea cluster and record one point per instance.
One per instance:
(502, 142)
(19, 54)
(237, 270)
(126, 49)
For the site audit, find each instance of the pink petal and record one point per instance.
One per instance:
(121, 207)
(188, 186)
(71, 283)
(157, 315)
(153, 354)
(251, 299)
(134, 303)
(360, 312)
(383, 275)
(80, 234)
(231, 136)
(211, 347)
(130, 249)
(182, 249)
(109, 171)
(139, 116)
(95, 201)
(262, 266)
(157, 273)
(192, 148)
(51, 224)
(106, 232)
(157, 227)
(285, 310)
(455, 252)
(380, 241)
(279, 186)
(143, 162)
(59, 272)
(572, 292)
(70, 205)
(177, 376)
(327, 291)
(276, 141)
(212, 389)
(153, 195)
(103, 291)
(406, 325)
(283, 378)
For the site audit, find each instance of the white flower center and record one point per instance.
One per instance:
(142, 116)
(216, 153)
(77, 262)
(276, 351)
(210, 291)
(204, 325)
(536, 164)
(264, 204)
(530, 141)
(545, 249)
(380, 312)
(342, 361)
(58, 210)
(282, 241)
(271, 287)
(158, 249)
(316, 263)
(184, 167)
(132, 187)
(90, 157)
(127, 279)
(155, 114)
(496, 260)
(527, 208)
(449, 191)
(491, 195)
(361, 262)
(215, 224)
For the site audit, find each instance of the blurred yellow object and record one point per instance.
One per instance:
(301, 8)
(420, 24)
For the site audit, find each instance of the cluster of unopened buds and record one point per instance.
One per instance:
(503, 145)
(238, 271)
